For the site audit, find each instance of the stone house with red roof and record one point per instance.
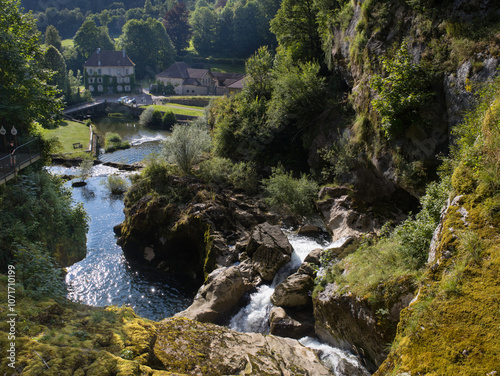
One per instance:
(192, 81)
(109, 72)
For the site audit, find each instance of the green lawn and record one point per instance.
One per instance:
(179, 109)
(67, 43)
(69, 133)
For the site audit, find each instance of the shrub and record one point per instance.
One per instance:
(295, 196)
(168, 120)
(146, 116)
(113, 142)
(186, 145)
(401, 94)
(116, 184)
(85, 169)
(223, 171)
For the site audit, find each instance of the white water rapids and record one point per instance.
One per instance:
(254, 317)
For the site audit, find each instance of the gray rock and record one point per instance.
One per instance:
(295, 291)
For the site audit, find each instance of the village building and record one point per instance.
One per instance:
(193, 81)
(109, 72)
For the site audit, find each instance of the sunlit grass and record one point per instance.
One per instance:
(69, 133)
(179, 109)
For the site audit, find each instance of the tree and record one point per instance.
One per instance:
(186, 145)
(246, 21)
(401, 94)
(296, 29)
(54, 61)
(148, 45)
(89, 38)
(204, 23)
(52, 37)
(224, 41)
(258, 80)
(25, 96)
(176, 22)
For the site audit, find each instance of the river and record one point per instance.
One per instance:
(106, 277)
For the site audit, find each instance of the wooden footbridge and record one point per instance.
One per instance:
(86, 109)
(23, 156)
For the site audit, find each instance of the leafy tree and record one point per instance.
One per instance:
(52, 37)
(401, 94)
(204, 23)
(24, 93)
(148, 8)
(148, 45)
(296, 29)
(246, 20)
(89, 38)
(176, 22)
(168, 120)
(104, 17)
(54, 61)
(258, 80)
(186, 145)
(224, 40)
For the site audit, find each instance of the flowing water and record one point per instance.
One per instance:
(254, 317)
(105, 277)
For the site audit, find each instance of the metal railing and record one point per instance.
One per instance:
(22, 157)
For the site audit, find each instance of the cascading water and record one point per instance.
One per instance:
(255, 316)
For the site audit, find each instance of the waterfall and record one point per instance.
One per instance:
(255, 316)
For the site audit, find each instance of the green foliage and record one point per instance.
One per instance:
(89, 38)
(37, 271)
(85, 168)
(296, 196)
(340, 157)
(258, 69)
(40, 226)
(54, 61)
(148, 46)
(155, 179)
(402, 251)
(168, 120)
(146, 116)
(52, 38)
(401, 94)
(176, 22)
(296, 29)
(223, 171)
(116, 184)
(186, 145)
(113, 142)
(24, 93)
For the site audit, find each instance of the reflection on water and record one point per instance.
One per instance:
(144, 141)
(105, 277)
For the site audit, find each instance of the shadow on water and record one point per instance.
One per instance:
(105, 276)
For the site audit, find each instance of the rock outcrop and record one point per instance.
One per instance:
(194, 348)
(358, 325)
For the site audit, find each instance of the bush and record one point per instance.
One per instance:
(168, 120)
(116, 184)
(146, 116)
(296, 196)
(113, 142)
(223, 171)
(186, 145)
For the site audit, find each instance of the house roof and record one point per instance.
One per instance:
(106, 58)
(197, 73)
(191, 81)
(228, 79)
(237, 84)
(176, 70)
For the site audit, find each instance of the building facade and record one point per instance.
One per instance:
(109, 72)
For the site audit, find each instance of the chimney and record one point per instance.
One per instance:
(123, 52)
(98, 49)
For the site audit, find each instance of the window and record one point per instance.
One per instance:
(127, 87)
(99, 71)
(126, 70)
(100, 88)
(91, 80)
(119, 88)
(119, 80)
(119, 71)
(127, 80)
(91, 88)
(99, 80)
(89, 71)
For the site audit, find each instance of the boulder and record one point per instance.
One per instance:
(294, 291)
(189, 347)
(269, 249)
(221, 293)
(283, 325)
